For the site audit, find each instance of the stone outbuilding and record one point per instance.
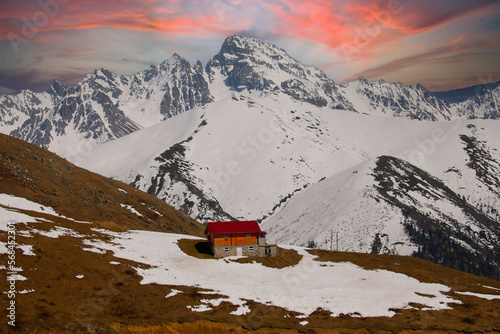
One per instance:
(238, 238)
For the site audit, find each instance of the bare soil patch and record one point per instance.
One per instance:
(285, 258)
(196, 248)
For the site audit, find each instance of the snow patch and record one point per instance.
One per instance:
(24, 204)
(172, 293)
(480, 295)
(242, 310)
(338, 288)
(22, 292)
(131, 209)
(200, 308)
(59, 231)
(27, 249)
(11, 202)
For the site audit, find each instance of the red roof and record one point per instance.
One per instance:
(233, 227)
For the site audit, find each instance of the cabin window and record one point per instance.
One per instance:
(248, 236)
(225, 237)
(226, 249)
(250, 248)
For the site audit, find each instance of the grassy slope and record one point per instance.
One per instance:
(110, 298)
(43, 177)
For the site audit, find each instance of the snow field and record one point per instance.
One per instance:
(335, 287)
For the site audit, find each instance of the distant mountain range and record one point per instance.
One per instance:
(104, 106)
(256, 134)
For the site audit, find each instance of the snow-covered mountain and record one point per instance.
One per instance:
(395, 99)
(249, 64)
(258, 135)
(105, 106)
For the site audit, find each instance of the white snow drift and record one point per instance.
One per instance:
(335, 287)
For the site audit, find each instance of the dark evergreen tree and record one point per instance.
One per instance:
(377, 244)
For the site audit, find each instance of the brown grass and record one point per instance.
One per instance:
(43, 177)
(196, 248)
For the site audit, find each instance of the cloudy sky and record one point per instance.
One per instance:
(442, 44)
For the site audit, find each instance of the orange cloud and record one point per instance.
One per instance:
(154, 15)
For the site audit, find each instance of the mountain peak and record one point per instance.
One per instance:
(241, 40)
(242, 45)
(57, 88)
(251, 64)
(102, 71)
(175, 60)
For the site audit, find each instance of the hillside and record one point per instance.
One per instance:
(29, 172)
(75, 278)
(92, 254)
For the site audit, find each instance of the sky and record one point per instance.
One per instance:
(443, 44)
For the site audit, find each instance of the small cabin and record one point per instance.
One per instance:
(238, 238)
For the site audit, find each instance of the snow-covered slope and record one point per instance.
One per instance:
(382, 98)
(438, 199)
(307, 284)
(230, 149)
(249, 155)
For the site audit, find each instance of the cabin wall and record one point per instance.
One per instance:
(234, 239)
(246, 250)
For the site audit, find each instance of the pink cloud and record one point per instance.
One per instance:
(358, 28)
(372, 37)
(460, 51)
(165, 16)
